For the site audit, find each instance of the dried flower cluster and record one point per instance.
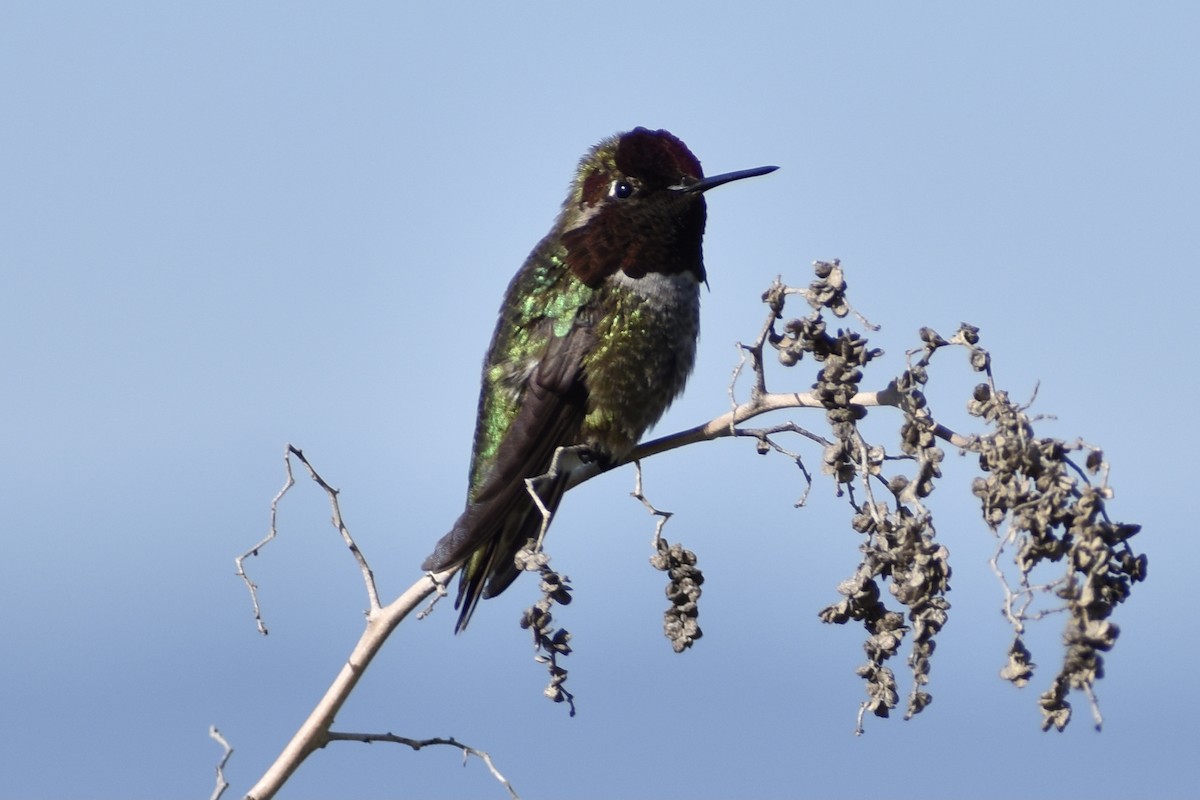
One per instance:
(683, 590)
(548, 642)
(1038, 501)
(1053, 512)
(900, 548)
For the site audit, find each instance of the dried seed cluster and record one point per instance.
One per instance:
(683, 590)
(1053, 511)
(548, 643)
(900, 547)
(1053, 514)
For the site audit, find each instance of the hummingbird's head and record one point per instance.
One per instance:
(637, 206)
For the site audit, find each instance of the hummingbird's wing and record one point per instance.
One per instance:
(501, 516)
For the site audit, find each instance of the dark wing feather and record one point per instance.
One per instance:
(502, 516)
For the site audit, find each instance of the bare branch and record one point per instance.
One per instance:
(222, 784)
(332, 493)
(314, 732)
(638, 495)
(417, 744)
(288, 483)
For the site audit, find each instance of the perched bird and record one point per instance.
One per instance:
(596, 337)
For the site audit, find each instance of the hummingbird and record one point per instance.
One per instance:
(595, 338)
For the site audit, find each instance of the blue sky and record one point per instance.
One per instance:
(230, 226)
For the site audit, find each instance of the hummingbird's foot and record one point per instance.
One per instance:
(439, 591)
(545, 489)
(533, 486)
(567, 459)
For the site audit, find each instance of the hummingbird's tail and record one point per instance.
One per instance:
(487, 537)
(540, 447)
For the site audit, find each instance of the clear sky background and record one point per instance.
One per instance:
(229, 226)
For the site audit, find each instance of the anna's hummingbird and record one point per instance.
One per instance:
(596, 337)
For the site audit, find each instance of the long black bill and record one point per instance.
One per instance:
(704, 184)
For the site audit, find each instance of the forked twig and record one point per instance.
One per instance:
(338, 522)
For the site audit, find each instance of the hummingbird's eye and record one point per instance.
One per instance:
(621, 189)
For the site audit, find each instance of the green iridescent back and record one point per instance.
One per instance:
(541, 302)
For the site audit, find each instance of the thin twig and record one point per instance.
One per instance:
(252, 587)
(222, 784)
(417, 744)
(1097, 717)
(339, 523)
(637, 494)
(764, 436)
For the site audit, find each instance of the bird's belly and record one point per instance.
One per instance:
(645, 350)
